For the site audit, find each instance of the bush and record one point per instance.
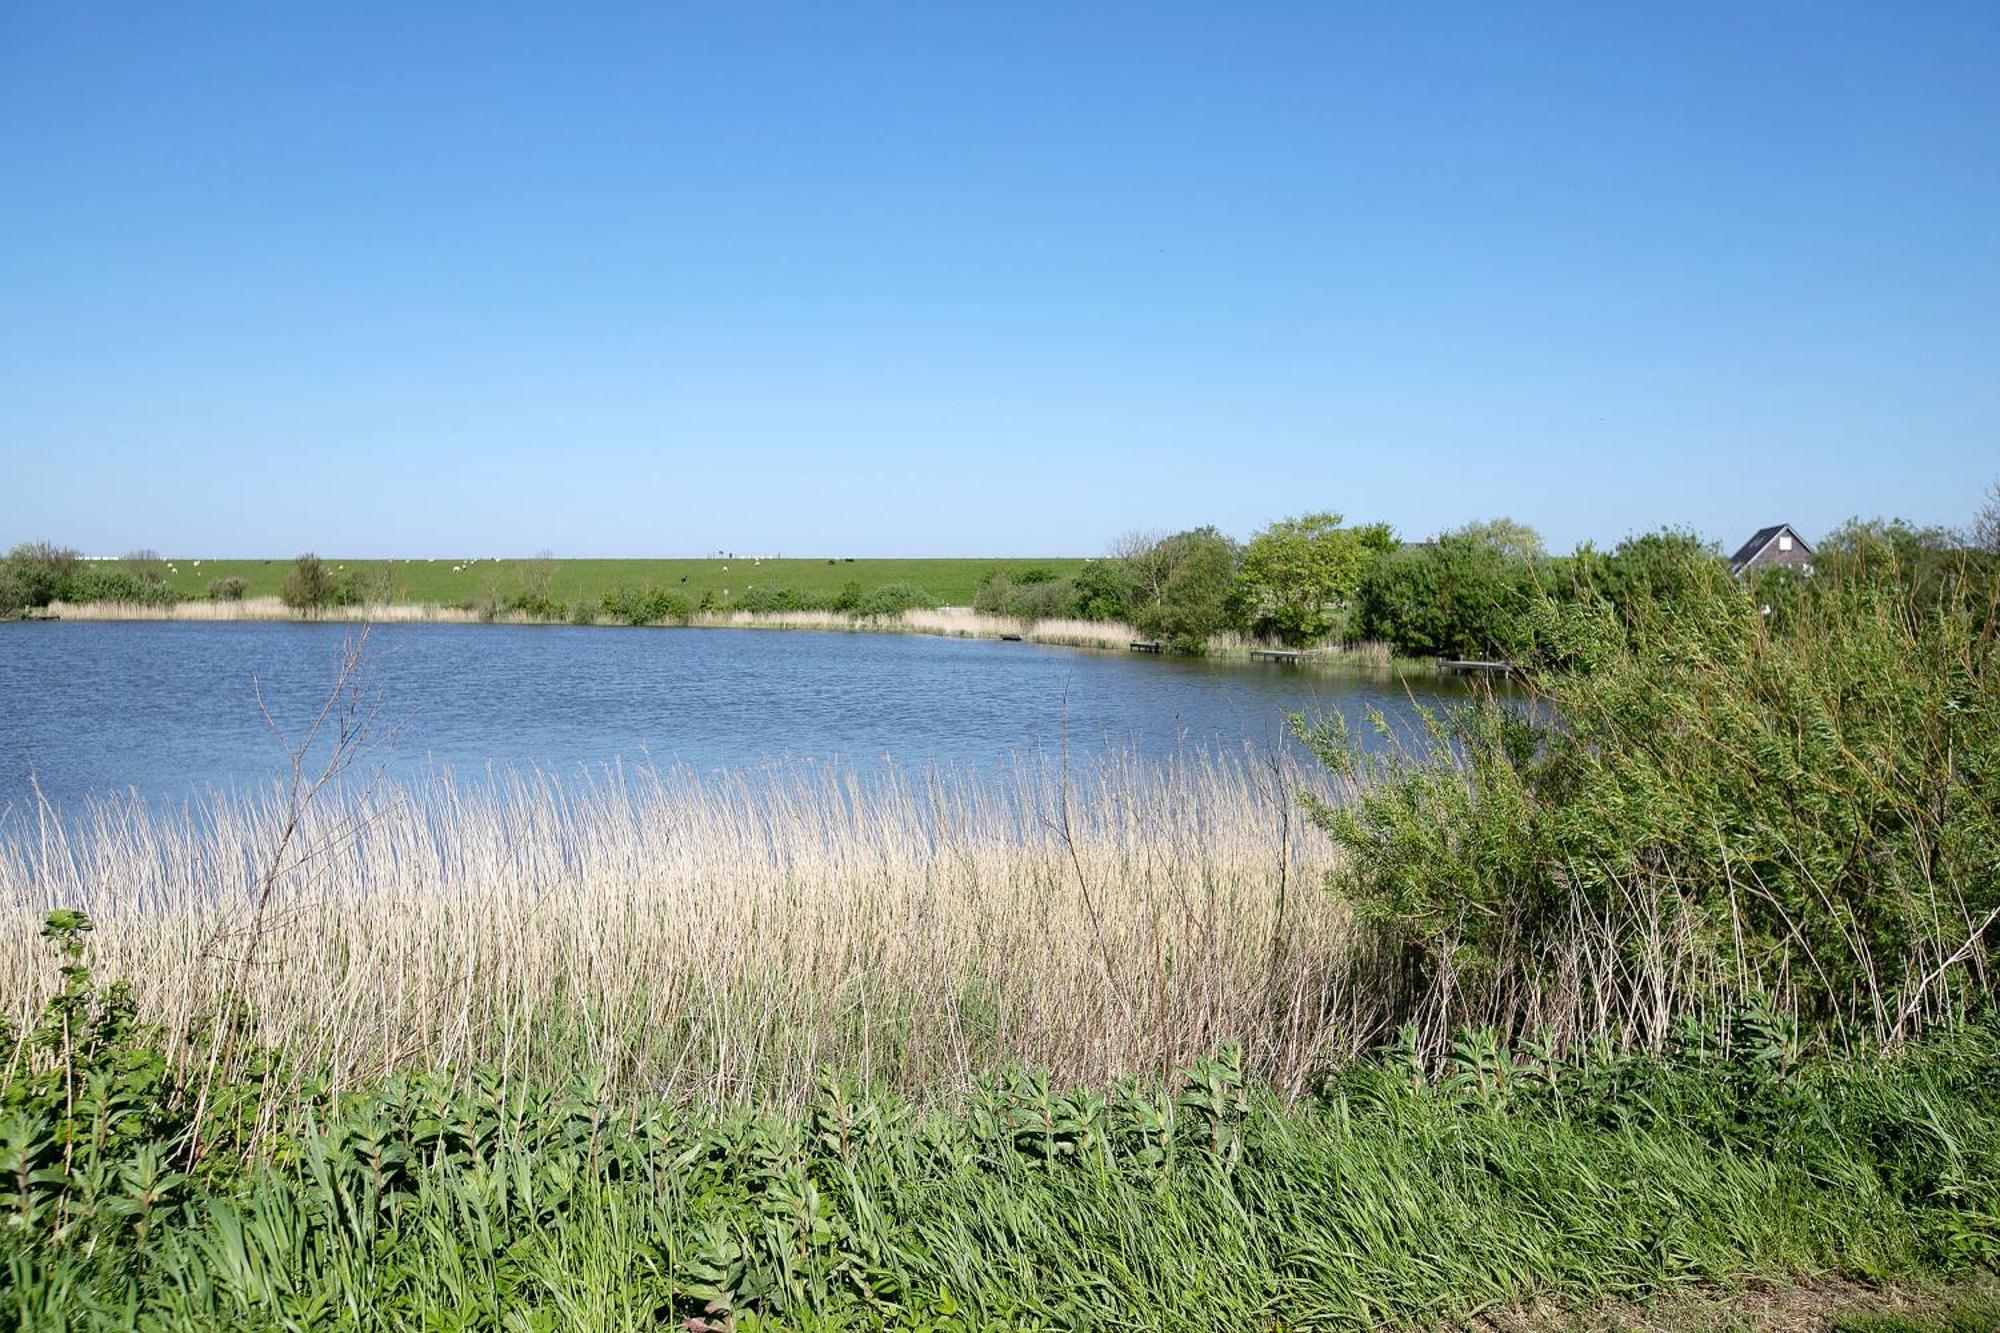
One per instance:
(1042, 599)
(1809, 807)
(647, 606)
(308, 585)
(1456, 598)
(106, 583)
(33, 575)
(892, 599)
(1103, 591)
(227, 590)
(363, 586)
(769, 601)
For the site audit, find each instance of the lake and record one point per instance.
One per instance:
(170, 710)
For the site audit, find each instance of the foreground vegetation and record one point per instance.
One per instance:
(1401, 1189)
(1672, 966)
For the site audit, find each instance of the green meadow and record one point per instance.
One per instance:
(952, 582)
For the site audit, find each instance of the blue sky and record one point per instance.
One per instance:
(948, 279)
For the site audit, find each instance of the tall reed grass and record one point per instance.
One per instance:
(947, 622)
(271, 608)
(725, 938)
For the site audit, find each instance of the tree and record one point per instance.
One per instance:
(1986, 527)
(1147, 559)
(1104, 590)
(35, 574)
(309, 585)
(1193, 599)
(1515, 540)
(147, 564)
(1299, 574)
(1459, 597)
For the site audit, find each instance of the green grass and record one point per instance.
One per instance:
(1402, 1192)
(584, 582)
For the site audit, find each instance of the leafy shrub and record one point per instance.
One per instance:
(363, 586)
(646, 606)
(1810, 806)
(308, 585)
(776, 600)
(892, 599)
(1103, 591)
(108, 583)
(34, 574)
(227, 590)
(1044, 599)
(1457, 598)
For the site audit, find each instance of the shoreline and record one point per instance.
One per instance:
(948, 622)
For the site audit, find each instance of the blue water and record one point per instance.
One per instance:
(170, 710)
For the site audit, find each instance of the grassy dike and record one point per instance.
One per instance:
(444, 582)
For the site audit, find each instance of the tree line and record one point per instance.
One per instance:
(1470, 592)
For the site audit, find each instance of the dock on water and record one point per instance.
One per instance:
(1144, 646)
(1453, 666)
(1292, 655)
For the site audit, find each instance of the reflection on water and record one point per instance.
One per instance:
(170, 710)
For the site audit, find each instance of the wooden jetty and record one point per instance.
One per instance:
(1292, 655)
(1142, 646)
(1010, 638)
(1453, 666)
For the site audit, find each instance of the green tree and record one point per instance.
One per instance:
(1461, 596)
(1195, 572)
(35, 574)
(1299, 574)
(309, 584)
(1513, 539)
(1104, 591)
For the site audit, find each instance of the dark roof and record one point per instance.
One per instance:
(1760, 539)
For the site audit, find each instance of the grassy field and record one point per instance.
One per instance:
(450, 582)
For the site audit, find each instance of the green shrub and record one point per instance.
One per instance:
(1103, 591)
(364, 585)
(1043, 599)
(227, 590)
(767, 601)
(1809, 807)
(108, 583)
(646, 606)
(308, 585)
(892, 599)
(1457, 597)
(35, 574)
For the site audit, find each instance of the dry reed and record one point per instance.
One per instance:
(726, 938)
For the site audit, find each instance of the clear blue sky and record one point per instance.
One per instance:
(951, 279)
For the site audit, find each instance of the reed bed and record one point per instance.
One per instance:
(271, 608)
(725, 938)
(946, 622)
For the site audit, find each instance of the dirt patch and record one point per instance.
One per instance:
(1816, 1307)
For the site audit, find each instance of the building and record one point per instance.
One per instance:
(1775, 547)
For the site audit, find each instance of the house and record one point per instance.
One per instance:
(1775, 547)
